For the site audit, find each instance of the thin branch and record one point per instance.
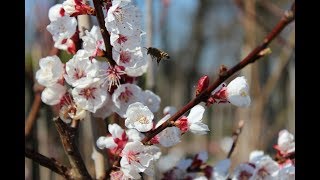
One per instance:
(235, 136)
(67, 135)
(255, 54)
(250, 15)
(33, 114)
(273, 79)
(49, 163)
(104, 32)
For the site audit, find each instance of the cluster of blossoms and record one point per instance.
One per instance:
(85, 85)
(260, 165)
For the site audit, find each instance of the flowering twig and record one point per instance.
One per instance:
(104, 32)
(255, 54)
(49, 163)
(235, 136)
(249, 14)
(67, 135)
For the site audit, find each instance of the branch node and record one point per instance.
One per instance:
(265, 52)
(223, 70)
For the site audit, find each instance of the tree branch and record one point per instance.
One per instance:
(32, 114)
(255, 54)
(235, 136)
(67, 135)
(104, 32)
(250, 15)
(49, 163)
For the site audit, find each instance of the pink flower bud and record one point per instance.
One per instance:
(203, 83)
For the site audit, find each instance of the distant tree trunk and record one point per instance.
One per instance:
(249, 139)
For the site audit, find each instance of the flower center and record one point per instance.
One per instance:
(125, 96)
(132, 157)
(79, 73)
(125, 57)
(118, 14)
(243, 94)
(121, 39)
(263, 172)
(114, 76)
(88, 93)
(244, 175)
(143, 120)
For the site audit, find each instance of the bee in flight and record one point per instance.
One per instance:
(157, 54)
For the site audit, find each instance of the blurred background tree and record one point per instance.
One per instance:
(199, 36)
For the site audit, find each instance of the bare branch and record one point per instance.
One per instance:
(104, 32)
(49, 163)
(67, 135)
(235, 136)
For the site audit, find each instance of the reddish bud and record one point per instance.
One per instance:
(203, 83)
(223, 70)
(208, 170)
(182, 124)
(62, 12)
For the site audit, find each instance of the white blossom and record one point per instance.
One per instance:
(134, 135)
(120, 41)
(116, 133)
(125, 95)
(56, 11)
(238, 92)
(80, 71)
(243, 171)
(90, 97)
(167, 162)
(265, 167)
(129, 58)
(287, 172)
(106, 142)
(195, 120)
(51, 71)
(123, 18)
(137, 158)
(66, 45)
(286, 142)
(151, 100)
(169, 136)
(139, 69)
(139, 117)
(93, 41)
(69, 110)
(221, 169)
(106, 110)
(52, 95)
(62, 28)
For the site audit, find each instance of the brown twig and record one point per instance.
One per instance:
(250, 58)
(250, 15)
(104, 32)
(67, 135)
(49, 163)
(32, 116)
(235, 136)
